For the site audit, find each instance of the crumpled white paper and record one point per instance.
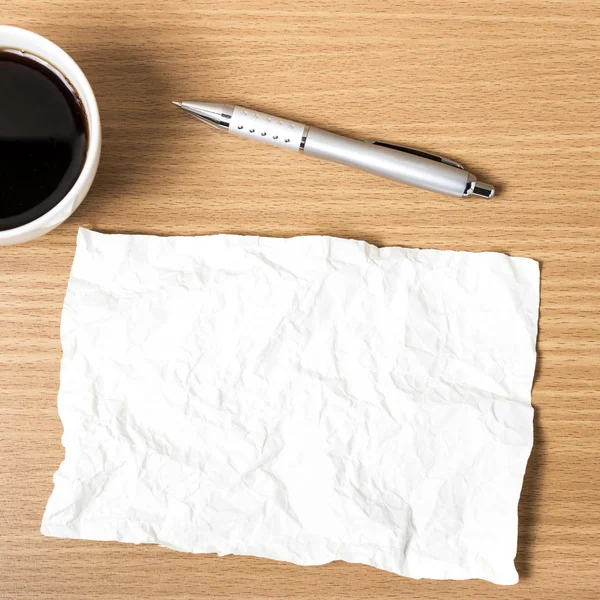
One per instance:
(307, 400)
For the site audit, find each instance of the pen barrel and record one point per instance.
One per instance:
(385, 162)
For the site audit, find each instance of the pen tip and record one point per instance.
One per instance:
(180, 104)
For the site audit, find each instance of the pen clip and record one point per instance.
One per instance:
(416, 152)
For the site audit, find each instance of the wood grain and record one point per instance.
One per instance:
(509, 88)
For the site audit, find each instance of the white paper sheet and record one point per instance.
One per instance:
(307, 400)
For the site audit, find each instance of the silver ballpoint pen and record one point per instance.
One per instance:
(400, 163)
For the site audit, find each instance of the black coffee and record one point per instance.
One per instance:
(43, 138)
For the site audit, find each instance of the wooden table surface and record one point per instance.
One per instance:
(508, 88)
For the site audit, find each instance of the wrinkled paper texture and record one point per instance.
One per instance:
(307, 400)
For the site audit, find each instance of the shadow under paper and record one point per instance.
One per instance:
(532, 485)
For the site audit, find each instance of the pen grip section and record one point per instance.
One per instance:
(265, 128)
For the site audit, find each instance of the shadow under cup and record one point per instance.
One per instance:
(49, 135)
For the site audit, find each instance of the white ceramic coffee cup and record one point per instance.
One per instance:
(20, 39)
